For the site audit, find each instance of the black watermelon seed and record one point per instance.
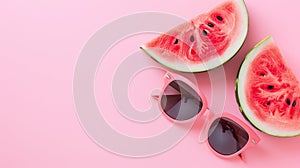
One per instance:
(210, 25)
(288, 101)
(262, 74)
(294, 103)
(270, 87)
(176, 41)
(268, 103)
(205, 33)
(219, 18)
(192, 39)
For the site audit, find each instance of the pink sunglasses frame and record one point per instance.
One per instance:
(168, 78)
(253, 137)
(252, 141)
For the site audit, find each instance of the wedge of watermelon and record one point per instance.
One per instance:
(268, 92)
(205, 42)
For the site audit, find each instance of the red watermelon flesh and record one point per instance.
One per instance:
(216, 34)
(270, 90)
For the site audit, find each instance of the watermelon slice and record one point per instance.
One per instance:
(205, 42)
(268, 92)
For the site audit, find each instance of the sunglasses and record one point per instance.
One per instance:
(181, 101)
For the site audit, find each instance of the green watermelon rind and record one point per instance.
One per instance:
(144, 48)
(237, 94)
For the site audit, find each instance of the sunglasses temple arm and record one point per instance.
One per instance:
(155, 97)
(242, 156)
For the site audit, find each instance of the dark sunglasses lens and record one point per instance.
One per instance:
(180, 101)
(226, 136)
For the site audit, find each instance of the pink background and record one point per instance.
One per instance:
(40, 42)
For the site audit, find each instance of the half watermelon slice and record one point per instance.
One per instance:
(205, 42)
(268, 92)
